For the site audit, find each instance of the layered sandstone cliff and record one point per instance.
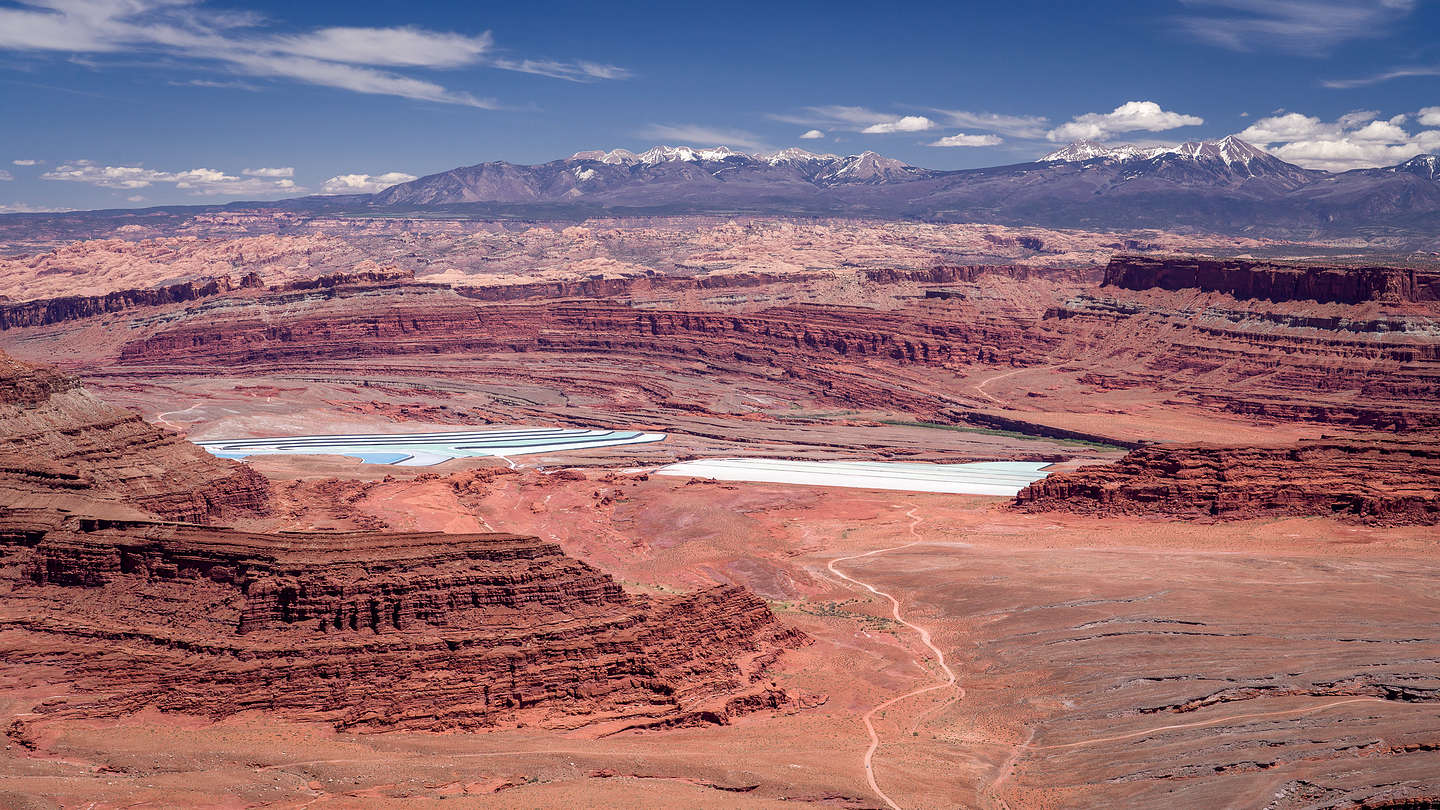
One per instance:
(891, 340)
(1388, 480)
(1274, 281)
(370, 630)
(57, 439)
(360, 629)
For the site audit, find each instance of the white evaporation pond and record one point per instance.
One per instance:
(980, 478)
(424, 449)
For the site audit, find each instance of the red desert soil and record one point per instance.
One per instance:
(1190, 626)
(1273, 656)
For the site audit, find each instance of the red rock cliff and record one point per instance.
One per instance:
(56, 437)
(1274, 281)
(420, 631)
(1389, 481)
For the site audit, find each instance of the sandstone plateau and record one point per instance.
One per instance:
(1223, 595)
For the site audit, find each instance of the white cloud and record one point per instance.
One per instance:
(396, 47)
(701, 135)
(283, 171)
(836, 116)
(569, 71)
(1014, 126)
(356, 59)
(1428, 116)
(854, 119)
(218, 85)
(962, 139)
(811, 135)
(363, 183)
(354, 78)
(1282, 128)
(907, 123)
(25, 208)
(1352, 141)
(28, 162)
(1302, 26)
(4, 175)
(1131, 116)
(1398, 73)
(200, 181)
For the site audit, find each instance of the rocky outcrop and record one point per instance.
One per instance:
(1333, 364)
(75, 307)
(48, 311)
(1387, 481)
(55, 438)
(1274, 281)
(371, 630)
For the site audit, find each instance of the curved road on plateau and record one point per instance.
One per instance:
(924, 634)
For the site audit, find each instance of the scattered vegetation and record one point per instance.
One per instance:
(837, 610)
(1009, 434)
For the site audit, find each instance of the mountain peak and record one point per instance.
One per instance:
(793, 154)
(1081, 151)
(686, 154)
(1427, 166)
(1229, 150)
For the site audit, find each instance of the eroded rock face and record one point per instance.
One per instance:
(361, 629)
(1274, 281)
(55, 438)
(1334, 363)
(1388, 481)
(372, 630)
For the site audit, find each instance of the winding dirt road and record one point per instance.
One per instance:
(950, 680)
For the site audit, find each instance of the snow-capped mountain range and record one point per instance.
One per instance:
(689, 154)
(1228, 149)
(1224, 185)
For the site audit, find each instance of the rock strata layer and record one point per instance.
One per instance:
(1389, 481)
(1274, 281)
(369, 630)
(59, 441)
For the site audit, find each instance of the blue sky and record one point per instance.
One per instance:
(121, 103)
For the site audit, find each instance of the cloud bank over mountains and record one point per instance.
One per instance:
(1354, 141)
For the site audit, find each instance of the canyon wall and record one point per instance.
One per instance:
(1266, 361)
(370, 630)
(43, 312)
(1390, 480)
(47, 311)
(56, 437)
(1274, 281)
(891, 340)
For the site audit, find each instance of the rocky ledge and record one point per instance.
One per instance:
(56, 439)
(369, 630)
(1391, 480)
(1274, 281)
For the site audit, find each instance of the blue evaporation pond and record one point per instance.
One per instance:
(380, 458)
